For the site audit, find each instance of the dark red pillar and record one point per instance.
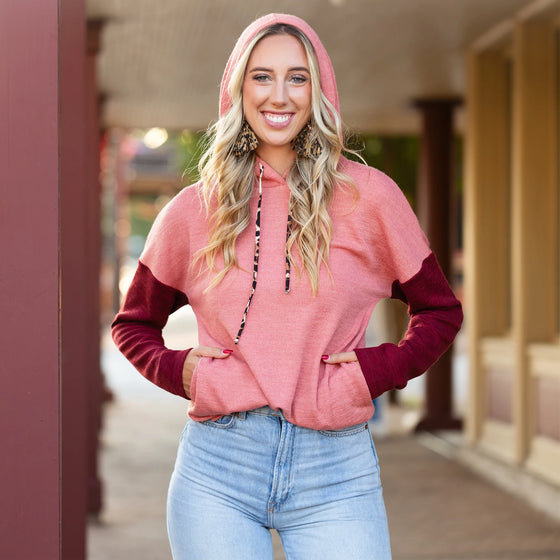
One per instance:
(42, 251)
(434, 203)
(93, 240)
(73, 295)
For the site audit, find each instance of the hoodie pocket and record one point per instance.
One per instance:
(197, 371)
(344, 401)
(347, 383)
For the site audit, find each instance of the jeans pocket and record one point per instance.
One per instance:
(343, 432)
(223, 422)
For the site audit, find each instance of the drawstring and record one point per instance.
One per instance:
(288, 232)
(256, 257)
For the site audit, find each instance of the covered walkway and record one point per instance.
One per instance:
(54, 108)
(437, 509)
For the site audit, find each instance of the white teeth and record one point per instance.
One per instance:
(277, 118)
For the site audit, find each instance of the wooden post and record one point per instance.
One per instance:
(487, 220)
(93, 240)
(44, 341)
(534, 208)
(434, 205)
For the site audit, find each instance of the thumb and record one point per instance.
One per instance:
(341, 357)
(223, 353)
(213, 352)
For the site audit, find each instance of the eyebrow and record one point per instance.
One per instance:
(292, 69)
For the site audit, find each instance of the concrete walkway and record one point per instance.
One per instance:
(437, 509)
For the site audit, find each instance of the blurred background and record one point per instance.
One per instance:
(457, 101)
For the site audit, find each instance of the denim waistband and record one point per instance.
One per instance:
(263, 410)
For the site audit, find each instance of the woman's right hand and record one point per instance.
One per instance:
(193, 358)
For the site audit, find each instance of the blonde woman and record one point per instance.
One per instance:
(282, 249)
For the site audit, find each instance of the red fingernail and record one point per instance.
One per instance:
(325, 357)
(227, 351)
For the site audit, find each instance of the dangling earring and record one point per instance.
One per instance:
(245, 142)
(304, 146)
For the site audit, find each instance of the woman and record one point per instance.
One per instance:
(282, 249)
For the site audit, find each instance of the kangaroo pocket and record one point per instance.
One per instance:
(343, 398)
(194, 379)
(222, 386)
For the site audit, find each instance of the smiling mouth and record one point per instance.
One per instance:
(275, 118)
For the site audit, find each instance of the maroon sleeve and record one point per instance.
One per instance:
(435, 318)
(137, 330)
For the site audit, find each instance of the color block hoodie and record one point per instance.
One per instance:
(377, 251)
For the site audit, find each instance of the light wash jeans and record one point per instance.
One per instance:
(244, 473)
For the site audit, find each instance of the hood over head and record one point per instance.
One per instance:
(328, 81)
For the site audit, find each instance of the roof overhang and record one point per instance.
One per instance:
(160, 63)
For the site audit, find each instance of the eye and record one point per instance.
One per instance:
(299, 79)
(261, 77)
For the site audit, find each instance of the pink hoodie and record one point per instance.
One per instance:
(378, 250)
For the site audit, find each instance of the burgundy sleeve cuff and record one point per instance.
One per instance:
(381, 368)
(435, 318)
(171, 366)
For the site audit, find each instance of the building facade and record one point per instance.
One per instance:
(512, 265)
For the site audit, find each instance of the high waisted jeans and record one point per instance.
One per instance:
(244, 473)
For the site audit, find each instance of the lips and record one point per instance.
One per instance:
(277, 120)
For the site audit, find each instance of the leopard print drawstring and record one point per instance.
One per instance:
(256, 257)
(288, 232)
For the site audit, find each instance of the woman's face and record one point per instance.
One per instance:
(277, 96)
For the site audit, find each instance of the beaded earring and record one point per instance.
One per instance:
(304, 145)
(245, 142)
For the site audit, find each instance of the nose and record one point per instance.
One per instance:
(279, 94)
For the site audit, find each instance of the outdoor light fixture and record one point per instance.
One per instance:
(155, 137)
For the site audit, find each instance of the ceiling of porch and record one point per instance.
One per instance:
(160, 63)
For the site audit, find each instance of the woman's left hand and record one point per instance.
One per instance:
(340, 358)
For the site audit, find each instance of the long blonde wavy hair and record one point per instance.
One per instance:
(228, 180)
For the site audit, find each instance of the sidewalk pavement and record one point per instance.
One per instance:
(437, 509)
